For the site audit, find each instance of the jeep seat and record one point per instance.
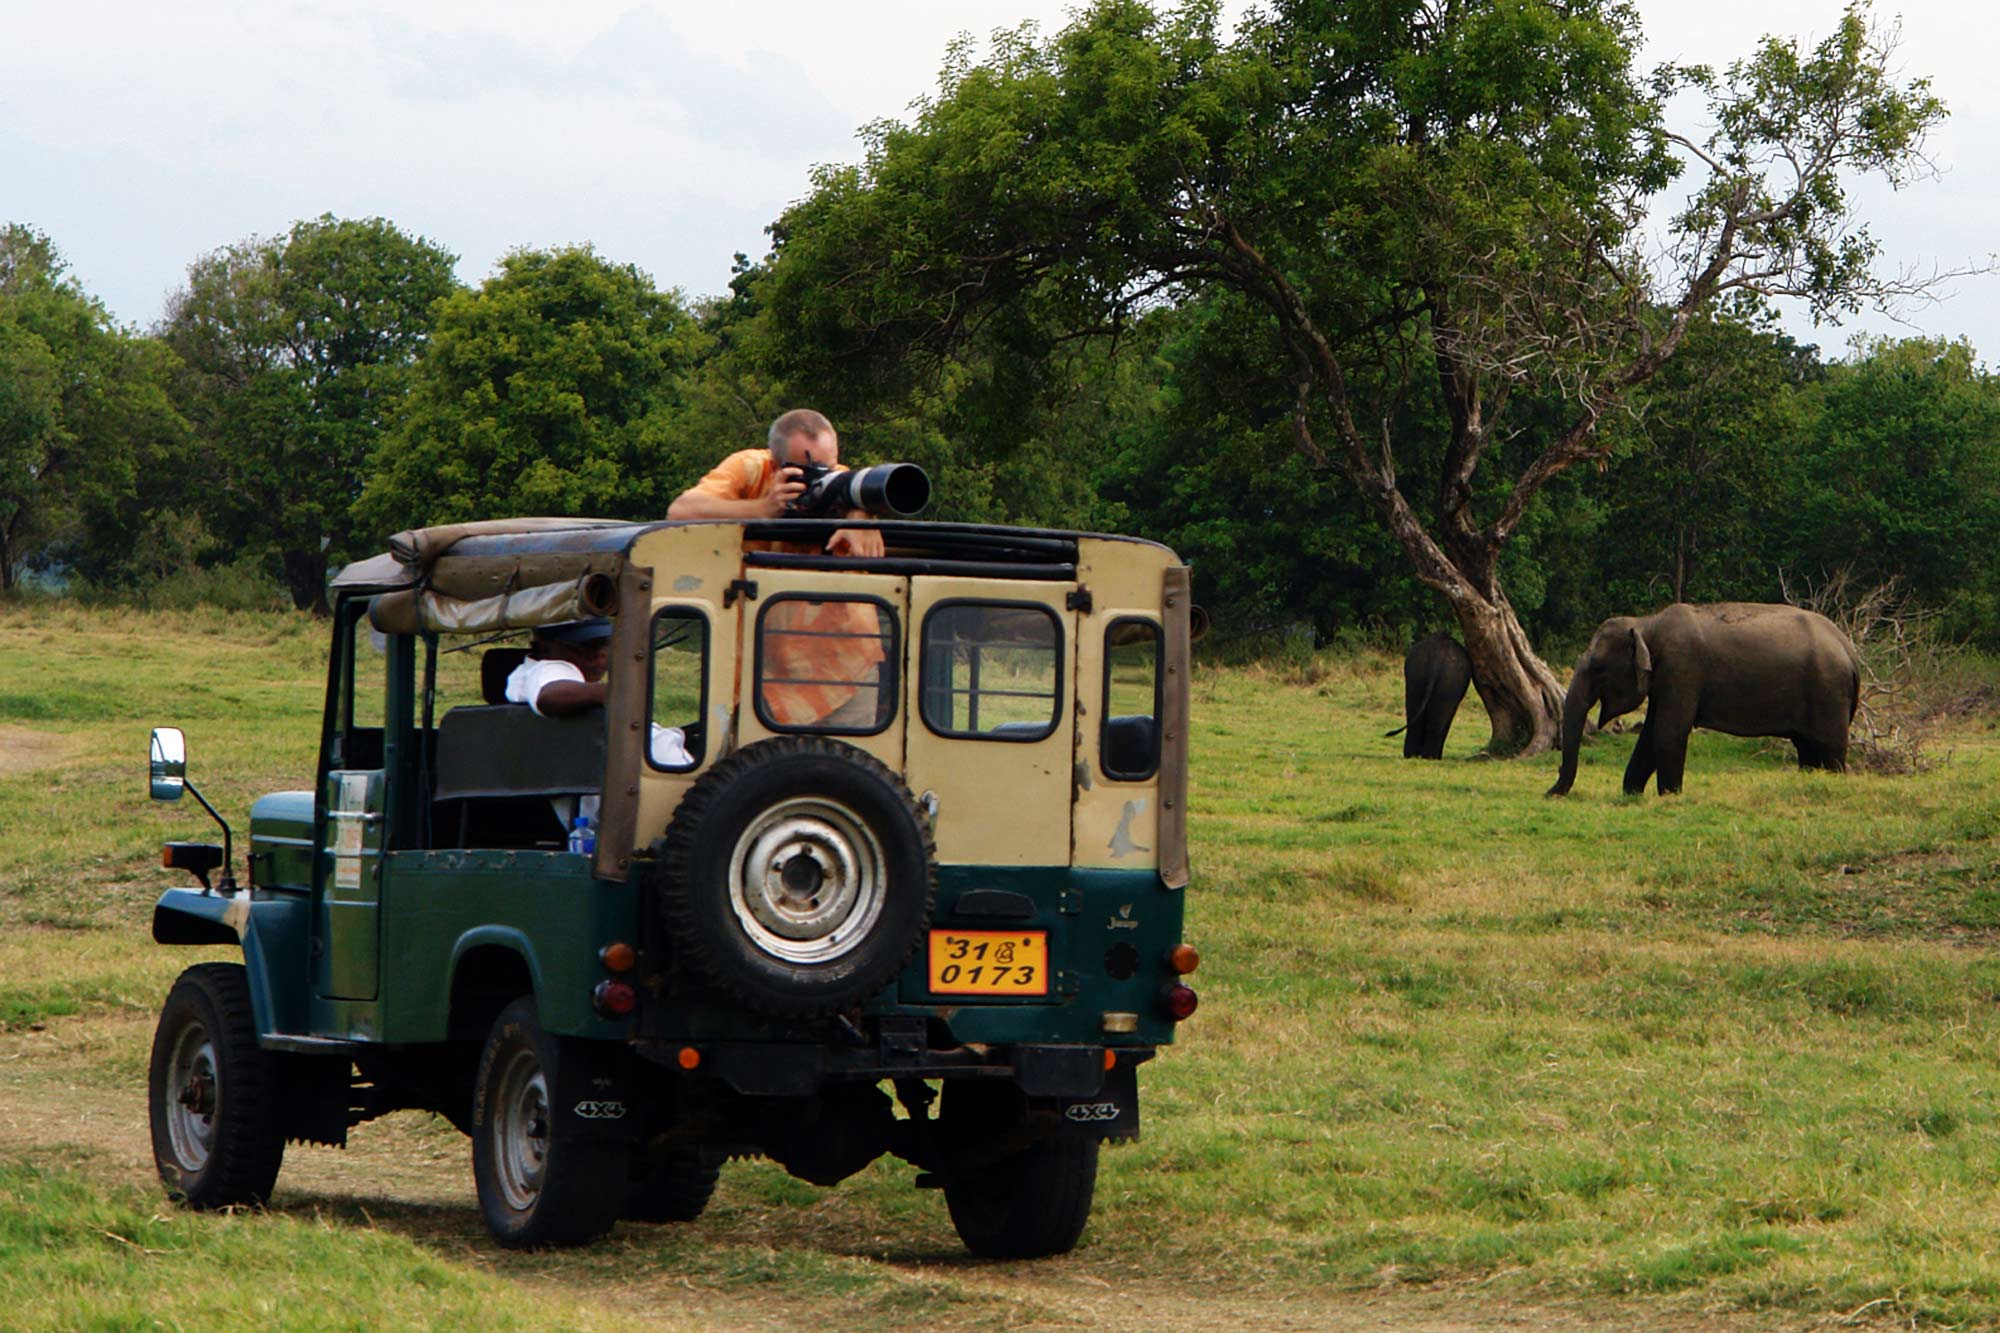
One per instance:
(495, 665)
(507, 750)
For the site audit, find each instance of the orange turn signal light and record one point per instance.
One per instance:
(688, 1058)
(618, 956)
(1110, 1059)
(1183, 959)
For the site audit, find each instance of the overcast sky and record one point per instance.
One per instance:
(141, 135)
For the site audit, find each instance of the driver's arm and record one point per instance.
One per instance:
(567, 698)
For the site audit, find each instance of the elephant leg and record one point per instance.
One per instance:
(1811, 755)
(1640, 767)
(1671, 751)
(1436, 727)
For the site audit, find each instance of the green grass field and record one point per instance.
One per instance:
(1731, 1056)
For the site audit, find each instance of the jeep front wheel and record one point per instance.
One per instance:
(537, 1186)
(798, 876)
(212, 1093)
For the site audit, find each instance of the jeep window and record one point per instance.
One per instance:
(826, 665)
(1128, 746)
(363, 689)
(991, 670)
(679, 689)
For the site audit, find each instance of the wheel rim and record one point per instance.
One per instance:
(807, 880)
(193, 1097)
(521, 1131)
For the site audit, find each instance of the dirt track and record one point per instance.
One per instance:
(69, 1089)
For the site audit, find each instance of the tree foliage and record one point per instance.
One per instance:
(296, 349)
(555, 388)
(83, 407)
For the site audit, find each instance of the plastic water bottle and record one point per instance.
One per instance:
(583, 838)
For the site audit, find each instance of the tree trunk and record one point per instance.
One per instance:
(1523, 698)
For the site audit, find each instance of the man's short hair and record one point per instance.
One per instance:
(798, 421)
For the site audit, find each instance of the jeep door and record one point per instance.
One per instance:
(822, 656)
(992, 732)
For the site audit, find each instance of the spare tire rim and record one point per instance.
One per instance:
(521, 1130)
(193, 1097)
(807, 880)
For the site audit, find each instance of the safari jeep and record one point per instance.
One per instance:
(968, 888)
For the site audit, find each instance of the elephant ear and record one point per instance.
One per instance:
(1642, 663)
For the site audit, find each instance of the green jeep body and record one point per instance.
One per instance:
(403, 916)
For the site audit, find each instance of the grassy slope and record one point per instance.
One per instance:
(1734, 1048)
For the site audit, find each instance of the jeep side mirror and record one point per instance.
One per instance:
(168, 768)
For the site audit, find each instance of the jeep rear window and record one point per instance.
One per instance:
(1128, 745)
(992, 670)
(678, 689)
(826, 665)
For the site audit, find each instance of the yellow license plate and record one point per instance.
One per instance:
(989, 962)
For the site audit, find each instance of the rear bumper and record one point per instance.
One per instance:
(800, 1069)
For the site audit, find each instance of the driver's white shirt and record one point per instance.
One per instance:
(527, 681)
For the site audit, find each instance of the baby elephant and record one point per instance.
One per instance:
(1435, 675)
(1745, 668)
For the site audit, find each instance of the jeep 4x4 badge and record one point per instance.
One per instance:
(709, 917)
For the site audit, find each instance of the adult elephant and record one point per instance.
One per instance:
(1743, 668)
(1435, 675)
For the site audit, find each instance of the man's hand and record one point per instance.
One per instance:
(856, 541)
(789, 488)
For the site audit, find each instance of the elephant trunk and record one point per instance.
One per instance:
(1576, 709)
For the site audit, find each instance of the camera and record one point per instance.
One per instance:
(886, 490)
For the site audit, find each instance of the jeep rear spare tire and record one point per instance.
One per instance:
(798, 876)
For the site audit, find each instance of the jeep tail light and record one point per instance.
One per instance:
(1179, 1000)
(618, 956)
(1183, 959)
(688, 1058)
(615, 999)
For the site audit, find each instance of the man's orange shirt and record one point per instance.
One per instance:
(819, 645)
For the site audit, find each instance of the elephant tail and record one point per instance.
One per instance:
(1418, 711)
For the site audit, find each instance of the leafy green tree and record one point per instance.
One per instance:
(1435, 205)
(556, 388)
(1896, 475)
(1697, 502)
(83, 408)
(297, 349)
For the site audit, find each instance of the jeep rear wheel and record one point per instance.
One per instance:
(798, 876)
(1024, 1203)
(537, 1186)
(212, 1093)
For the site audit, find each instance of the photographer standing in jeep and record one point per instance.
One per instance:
(762, 483)
(827, 659)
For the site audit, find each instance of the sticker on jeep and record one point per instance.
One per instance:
(600, 1110)
(1090, 1111)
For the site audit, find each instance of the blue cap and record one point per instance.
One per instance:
(576, 631)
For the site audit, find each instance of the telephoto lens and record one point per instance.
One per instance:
(887, 490)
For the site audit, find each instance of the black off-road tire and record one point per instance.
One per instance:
(1031, 1202)
(537, 1186)
(212, 1093)
(674, 1190)
(705, 915)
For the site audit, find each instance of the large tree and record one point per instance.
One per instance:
(297, 348)
(83, 406)
(555, 388)
(1437, 205)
